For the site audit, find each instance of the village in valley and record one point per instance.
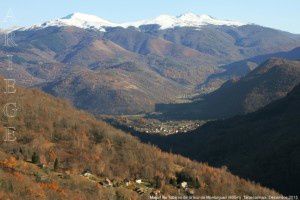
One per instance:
(142, 124)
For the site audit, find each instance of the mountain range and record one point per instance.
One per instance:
(270, 81)
(241, 68)
(110, 68)
(241, 80)
(82, 20)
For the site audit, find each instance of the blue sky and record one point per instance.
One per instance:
(280, 14)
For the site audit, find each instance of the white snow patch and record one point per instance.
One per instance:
(164, 21)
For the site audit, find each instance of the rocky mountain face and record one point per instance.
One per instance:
(128, 68)
(270, 81)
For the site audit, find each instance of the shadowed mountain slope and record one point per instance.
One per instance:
(270, 81)
(241, 68)
(262, 146)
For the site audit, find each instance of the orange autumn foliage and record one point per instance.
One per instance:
(9, 163)
(50, 186)
(19, 176)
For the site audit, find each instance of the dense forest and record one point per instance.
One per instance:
(262, 146)
(56, 144)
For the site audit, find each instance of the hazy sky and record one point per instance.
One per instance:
(280, 14)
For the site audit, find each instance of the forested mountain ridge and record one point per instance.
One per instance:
(63, 153)
(241, 68)
(262, 146)
(270, 81)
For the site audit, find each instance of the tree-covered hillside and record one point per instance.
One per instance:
(63, 153)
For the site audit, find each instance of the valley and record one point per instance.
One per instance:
(152, 124)
(187, 106)
(270, 81)
(257, 145)
(61, 152)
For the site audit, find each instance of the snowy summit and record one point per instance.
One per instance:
(185, 20)
(80, 20)
(164, 21)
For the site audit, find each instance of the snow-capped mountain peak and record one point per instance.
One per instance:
(85, 18)
(191, 19)
(82, 20)
(184, 20)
